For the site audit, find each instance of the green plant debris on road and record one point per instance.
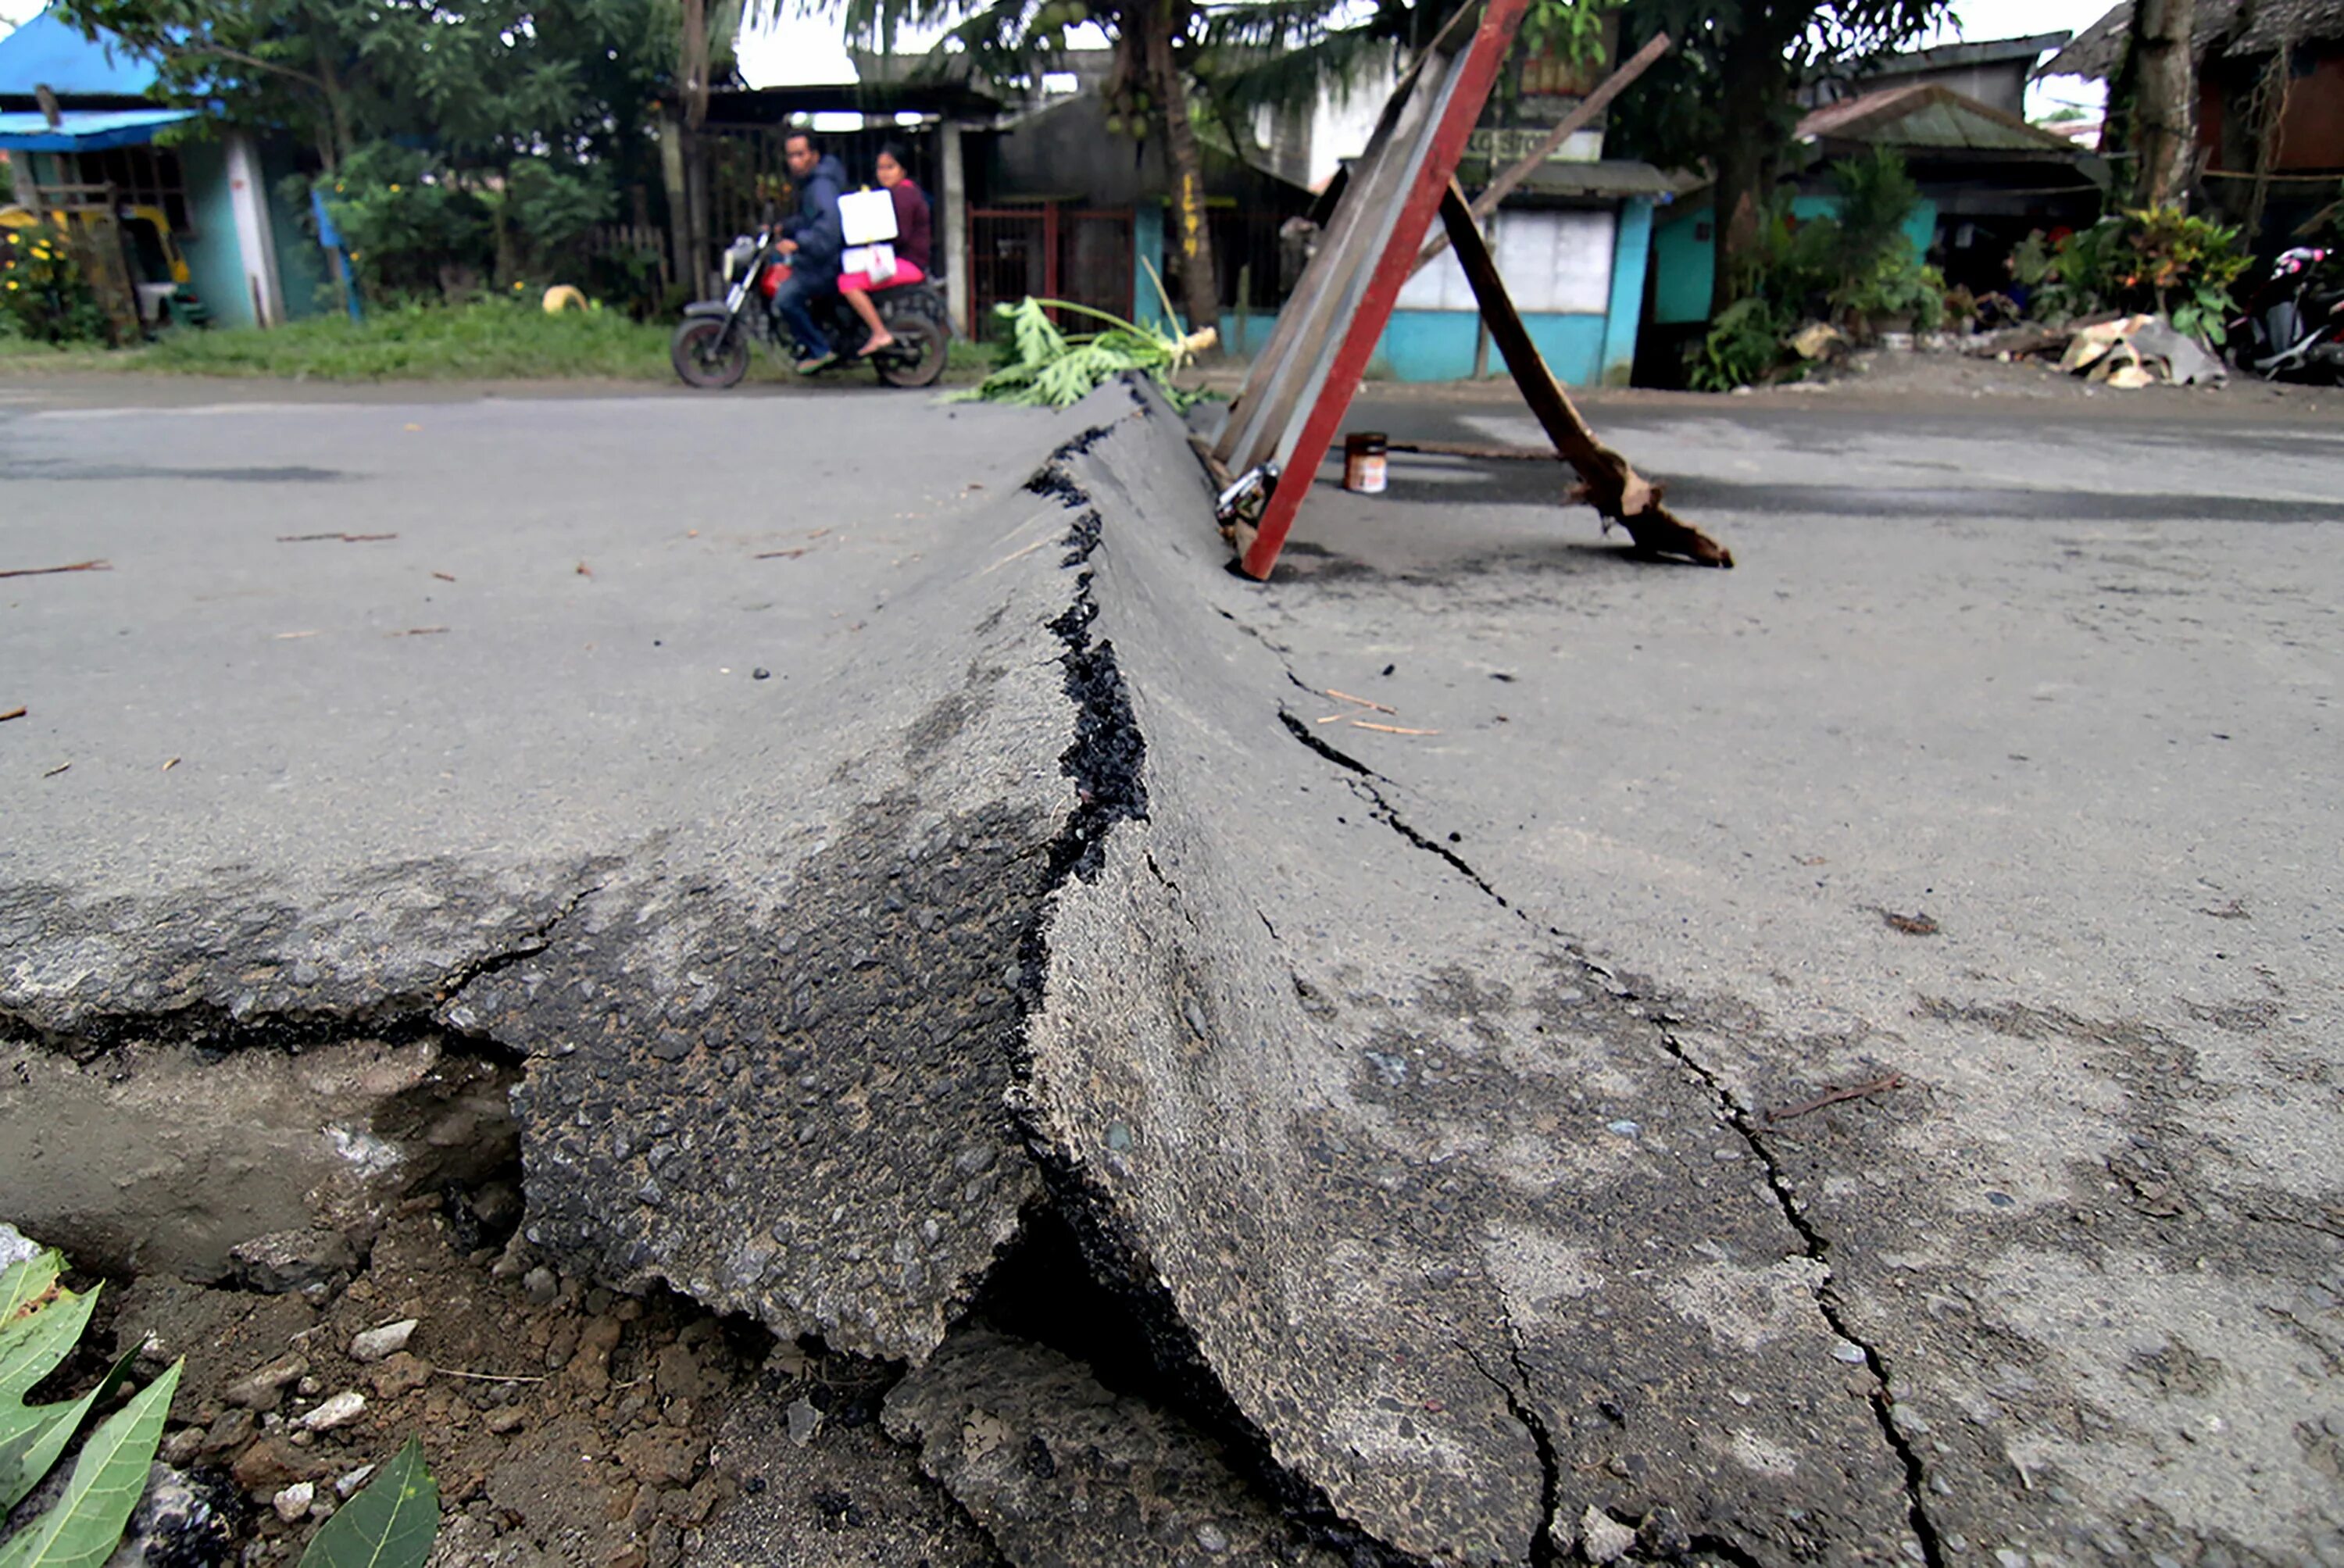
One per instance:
(41, 1323)
(390, 1524)
(1044, 367)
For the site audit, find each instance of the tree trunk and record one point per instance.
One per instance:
(679, 202)
(2163, 81)
(1756, 82)
(337, 110)
(1200, 288)
(693, 69)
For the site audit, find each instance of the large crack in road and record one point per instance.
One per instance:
(1439, 1236)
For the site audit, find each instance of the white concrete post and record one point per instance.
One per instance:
(255, 240)
(953, 214)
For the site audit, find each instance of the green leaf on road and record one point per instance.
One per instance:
(35, 1339)
(27, 1282)
(83, 1528)
(32, 1439)
(389, 1524)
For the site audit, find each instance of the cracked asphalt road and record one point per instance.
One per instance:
(2071, 1292)
(2067, 688)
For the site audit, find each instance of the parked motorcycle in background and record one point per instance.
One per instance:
(2293, 325)
(712, 346)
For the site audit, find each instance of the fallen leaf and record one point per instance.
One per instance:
(12, 714)
(584, 570)
(169, 765)
(444, 577)
(56, 770)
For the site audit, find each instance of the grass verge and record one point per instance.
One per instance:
(487, 340)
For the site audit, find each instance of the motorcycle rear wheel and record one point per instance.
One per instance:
(706, 355)
(921, 359)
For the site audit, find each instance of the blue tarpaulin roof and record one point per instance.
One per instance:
(86, 131)
(49, 51)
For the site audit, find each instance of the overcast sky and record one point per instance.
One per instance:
(810, 51)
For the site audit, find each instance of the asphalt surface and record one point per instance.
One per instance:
(1996, 782)
(2067, 688)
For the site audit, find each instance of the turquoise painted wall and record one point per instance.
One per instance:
(1630, 255)
(1147, 250)
(1684, 265)
(1583, 350)
(1438, 345)
(214, 263)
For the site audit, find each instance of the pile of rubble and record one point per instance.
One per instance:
(2123, 351)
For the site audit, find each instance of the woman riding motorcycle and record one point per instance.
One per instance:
(914, 247)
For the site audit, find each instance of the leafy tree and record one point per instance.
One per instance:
(1725, 96)
(482, 134)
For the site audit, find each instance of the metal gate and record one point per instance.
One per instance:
(1051, 251)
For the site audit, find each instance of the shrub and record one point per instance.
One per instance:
(2149, 259)
(408, 225)
(44, 293)
(1743, 346)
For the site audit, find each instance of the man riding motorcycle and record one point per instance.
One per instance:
(813, 240)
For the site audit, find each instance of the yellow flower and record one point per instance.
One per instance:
(394, 190)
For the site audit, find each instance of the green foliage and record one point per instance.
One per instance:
(413, 226)
(2030, 260)
(41, 1323)
(1044, 367)
(536, 115)
(2148, 258)
(44, 297)
(1744, 346)
(1570, 30)
(403, 216)
(1877, 196)
(389, 1524)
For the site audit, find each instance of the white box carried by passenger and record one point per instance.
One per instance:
(868, 217)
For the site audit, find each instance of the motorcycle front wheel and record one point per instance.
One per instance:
(920, 358)
(706, 354)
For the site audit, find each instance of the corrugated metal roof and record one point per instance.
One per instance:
(86, 131)
(1928, 116)
(49, 51)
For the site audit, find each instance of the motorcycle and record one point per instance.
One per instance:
(711, 345)
(2293, 326)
